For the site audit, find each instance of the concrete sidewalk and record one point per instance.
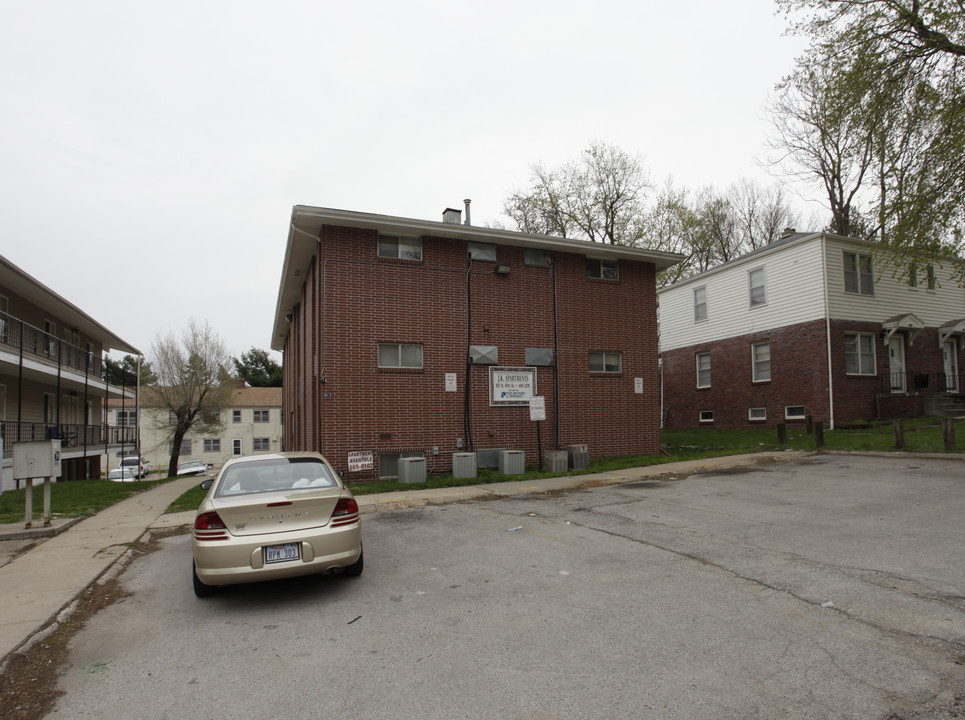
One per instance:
(38, 585)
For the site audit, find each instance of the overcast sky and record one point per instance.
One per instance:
(151, 152)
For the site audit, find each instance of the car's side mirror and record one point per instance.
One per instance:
(206, 485)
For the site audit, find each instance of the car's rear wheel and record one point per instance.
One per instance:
(200, 589)
(355, 569)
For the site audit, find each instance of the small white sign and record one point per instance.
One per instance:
(638, 386)
(362, 460)
(537, 408)
(451, 385)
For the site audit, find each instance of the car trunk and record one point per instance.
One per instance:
(276, 512)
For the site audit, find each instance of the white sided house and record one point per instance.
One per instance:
(813, 325)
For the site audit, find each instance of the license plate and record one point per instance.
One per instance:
(282, 553)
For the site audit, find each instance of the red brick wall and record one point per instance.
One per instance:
(798, 377)
(363, 300)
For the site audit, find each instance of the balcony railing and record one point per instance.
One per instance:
(913, 382)
(72, 436)
(18, 336)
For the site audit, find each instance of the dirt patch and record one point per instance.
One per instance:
(28, 679)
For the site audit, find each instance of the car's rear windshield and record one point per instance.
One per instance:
(274, 475)
(130, 461)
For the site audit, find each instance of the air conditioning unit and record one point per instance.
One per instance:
(512, 462)
(556, 461)
(578, 456)
(464, 465)
(412, 470)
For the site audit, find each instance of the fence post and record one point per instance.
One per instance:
(781, 433)
(819, 434)
(899, 434)
(948, 433)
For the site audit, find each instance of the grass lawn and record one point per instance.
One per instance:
(921, 435)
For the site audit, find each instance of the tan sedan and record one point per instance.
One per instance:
(275, 516)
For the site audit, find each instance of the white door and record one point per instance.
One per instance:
(950, 358)
(896, 356)
(236, 447)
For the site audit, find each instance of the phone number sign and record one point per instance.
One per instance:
(511, 385)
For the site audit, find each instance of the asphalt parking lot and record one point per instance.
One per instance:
(827, 587)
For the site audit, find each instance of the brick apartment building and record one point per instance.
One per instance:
(812, 325)
(406, 337)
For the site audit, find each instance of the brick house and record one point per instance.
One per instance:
(812, 325)
(406, 337)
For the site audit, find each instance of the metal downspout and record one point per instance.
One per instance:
(827, 329)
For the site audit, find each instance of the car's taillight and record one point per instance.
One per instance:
(346, 512)
(210, 526)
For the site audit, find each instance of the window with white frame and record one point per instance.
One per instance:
(482, 252)
(913, 275)
(756, 281)
(858, 274)
(859, 353)
(212, 445)
(706, 416)
(236, 416)
(703, 370)
(794, 412)
(602, 269)
(185, 447)
(402, 248)
(700, 304)
(127, 418)
(260, 444)
(756, 414)
(761, 361)
(400, 355)
(606, 362)
(930, 275)
(261, 416)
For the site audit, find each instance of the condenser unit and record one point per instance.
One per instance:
(512, 462)
(556, 461)
(464, 465)
(412, 470)
(578, 456)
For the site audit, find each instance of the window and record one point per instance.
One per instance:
(535, 258)
(930, 271)
(482, 252)
(794, 412)
(706, 416)
(261, 444)
(859, 353)
(212, 445)
(756, 280)
(602, 269)
(606, 362)
(756, 414)
(4, 309)
(703, 370)
(400, 355)
(761, 361)
(185, 447)
(858, 275)
(403, 248)
(236, 416)
(261, 416)
(913, 275)
(700, 304)
(127, 418)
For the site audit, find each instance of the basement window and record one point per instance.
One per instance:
(706, 416)
(757, 414)
(794, 412)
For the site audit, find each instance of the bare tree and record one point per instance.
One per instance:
(599, 197)
(193, 383)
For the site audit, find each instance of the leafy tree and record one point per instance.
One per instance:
(875, 110)
(193, 382)
(258, 369)
(124, 372)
